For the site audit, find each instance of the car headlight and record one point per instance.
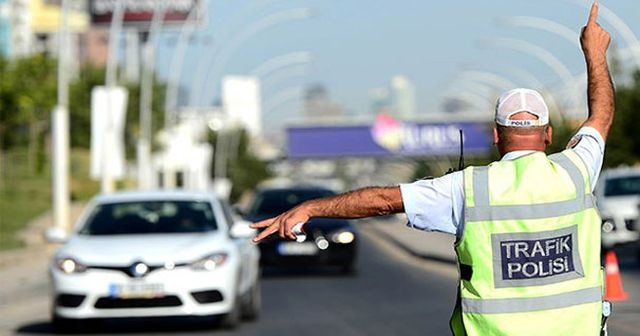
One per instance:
(70, 265)
(210, 262)
(343, 237)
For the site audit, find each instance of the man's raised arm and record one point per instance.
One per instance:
(595, 41)
(365, 202)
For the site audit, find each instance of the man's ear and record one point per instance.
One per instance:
(548, 135)
(495, 136)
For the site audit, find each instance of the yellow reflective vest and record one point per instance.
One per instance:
(529, 254)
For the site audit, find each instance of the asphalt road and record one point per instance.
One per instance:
(391, 294)
(625, 320)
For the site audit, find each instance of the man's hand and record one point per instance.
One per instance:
(600, 92)
(594, 39)
(282, 224)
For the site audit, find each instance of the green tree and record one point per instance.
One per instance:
(623, 143)
(245, 170)
(27, 96)
(80, 109)
(132, 124)
(80, 104)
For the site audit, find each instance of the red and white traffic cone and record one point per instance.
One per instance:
(613, 286)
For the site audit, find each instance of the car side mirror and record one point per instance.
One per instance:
(240, 210)
(241, 229)
(56, 235)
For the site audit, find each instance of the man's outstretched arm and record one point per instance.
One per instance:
(365, 202)
(601, 98)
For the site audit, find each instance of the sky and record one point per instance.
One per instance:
(443, 47)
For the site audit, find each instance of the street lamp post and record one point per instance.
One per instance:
(202, 75)
(279, 62)
(106, 181)
(173, 82)
(60, 129)
(546, 25)
(226, 149)
(549, 59)
(146, 97)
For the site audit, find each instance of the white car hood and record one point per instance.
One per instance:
(122, 250)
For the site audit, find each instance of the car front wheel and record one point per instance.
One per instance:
(252, 303)
(231, 319)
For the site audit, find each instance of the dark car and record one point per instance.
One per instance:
(330, 242)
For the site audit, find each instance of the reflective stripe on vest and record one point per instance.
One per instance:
(482, 211)
(520, 305)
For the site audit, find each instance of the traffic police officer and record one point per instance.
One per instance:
(528, 232)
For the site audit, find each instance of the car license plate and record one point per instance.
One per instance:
(136, 290)
(294, 248)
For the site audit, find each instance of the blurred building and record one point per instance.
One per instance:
(185, 159)
(241, 102)
(403, 98)
(456, 105)
(398, 99)
(31, 27)
(318, 105)
(5, 29)
(379, 100)
(94, 46)
(17, 28)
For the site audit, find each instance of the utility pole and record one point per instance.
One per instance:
(107, 180)
(146, 95)
(60, 129)
(146, 99)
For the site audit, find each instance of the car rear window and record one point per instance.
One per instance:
(274, 202)
(150, 217)
(622, 186)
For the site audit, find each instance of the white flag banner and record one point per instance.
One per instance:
(108, 112)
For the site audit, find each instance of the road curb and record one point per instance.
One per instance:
(32, 235)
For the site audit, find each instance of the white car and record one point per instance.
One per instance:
(618, 197)
(163, 253)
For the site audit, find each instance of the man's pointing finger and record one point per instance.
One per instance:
(593, 15)
(262, 223)
(267, 232)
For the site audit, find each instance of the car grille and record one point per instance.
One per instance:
(69, 300)
(115, 303)
(209, 296)
(126, 270)
(630, 224)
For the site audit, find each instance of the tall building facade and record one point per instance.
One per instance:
(379, 100)
(20, 33)
(5, 29)
(32, 26)
(94, 46)
(318, 105)
(403, 97)
(242, 103)
(398, 99)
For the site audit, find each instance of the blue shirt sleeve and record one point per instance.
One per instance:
(435, 204)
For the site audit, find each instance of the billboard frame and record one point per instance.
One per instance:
(138, 14)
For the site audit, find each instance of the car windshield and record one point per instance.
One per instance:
(150, 217)
(273, 202)
(622, 186)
